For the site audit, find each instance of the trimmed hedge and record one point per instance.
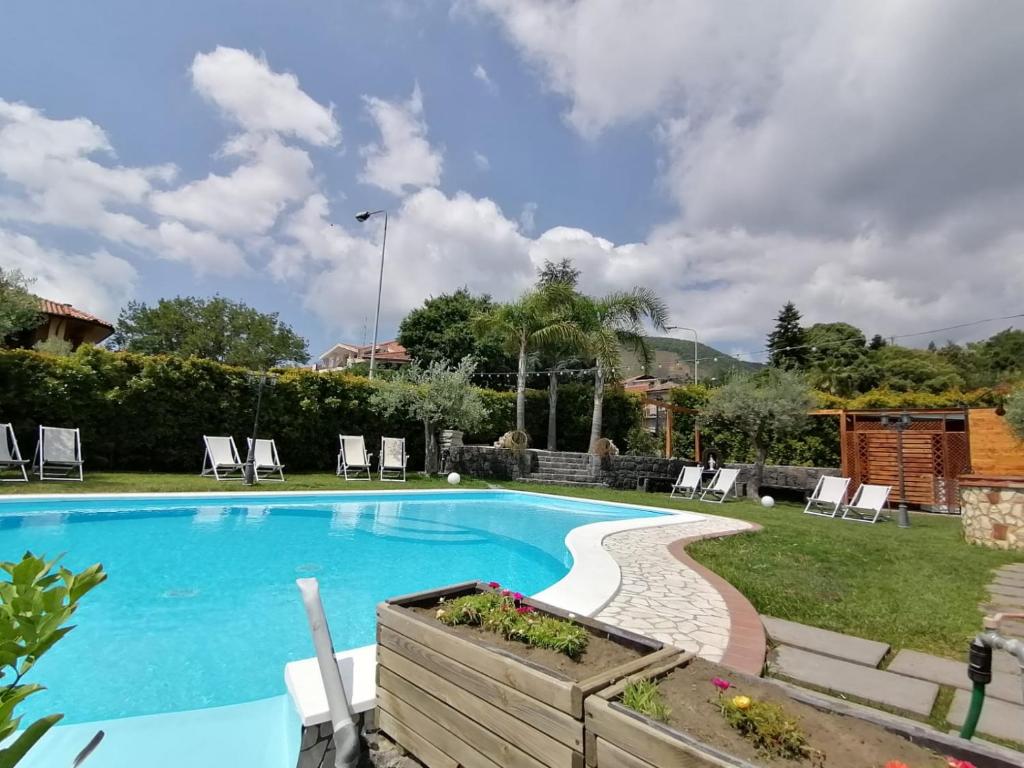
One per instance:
(149, 413)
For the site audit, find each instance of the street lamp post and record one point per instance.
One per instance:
(249, 468)
(900, 424)
(696, 341)
(363, 216)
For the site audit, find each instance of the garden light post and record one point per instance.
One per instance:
(900, 424)
(361, 217)
(249, 468)
(695, 342)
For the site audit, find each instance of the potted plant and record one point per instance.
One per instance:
(481, 673)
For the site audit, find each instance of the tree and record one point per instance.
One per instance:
(876, 343)
(1015, 411)
(526, 324)
(1001, 356)
(557, 272)
(19, 309)
(35, 603)
(837, 359)
(610, 323)
(442, 329)
(765, 407)
(786, 343)
(217, 329)
(438, 396)
(907, 370)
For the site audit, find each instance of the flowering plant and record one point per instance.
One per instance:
(764, 723)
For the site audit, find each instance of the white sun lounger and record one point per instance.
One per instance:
(58, 454)
(721, 485)
(10, 455)
(867, 503)
(222, 460)
(266, 460)
(828, 496)
(688, 480)
(353, 457)
(393, 458)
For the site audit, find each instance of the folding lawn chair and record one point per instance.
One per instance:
(10, 455)
(393, 458)
(828, 496)
(688, 480)
(58, 454)
(222, 460)
(266, 460)
(721, 485)
(867, 502)
(353, 457)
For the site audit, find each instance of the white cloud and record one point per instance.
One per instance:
(481, 162)
(99, 283)
(249, 199)
(527, 217)
(260, 100)
(205, 252)
(481, 74)
(403, 158)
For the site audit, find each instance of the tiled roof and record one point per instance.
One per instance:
(66, 310)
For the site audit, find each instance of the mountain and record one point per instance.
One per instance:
(673, 359)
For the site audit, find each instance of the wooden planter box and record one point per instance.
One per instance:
(618, 737)
(452, 701)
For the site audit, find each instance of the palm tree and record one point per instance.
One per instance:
(534, 320)
(610, 323)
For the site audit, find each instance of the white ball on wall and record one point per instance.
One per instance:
(454, 478)
(767, 501)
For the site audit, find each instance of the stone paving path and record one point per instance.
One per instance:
(662, 597)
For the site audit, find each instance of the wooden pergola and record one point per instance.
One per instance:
(671, 409)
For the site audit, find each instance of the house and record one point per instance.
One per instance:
(64, 322)
(390, 354)
(650, 388)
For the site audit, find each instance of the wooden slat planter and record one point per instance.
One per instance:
(618, 737)
(451, 701)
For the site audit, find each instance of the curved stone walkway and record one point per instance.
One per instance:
(666, 595)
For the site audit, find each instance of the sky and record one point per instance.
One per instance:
(863, 160)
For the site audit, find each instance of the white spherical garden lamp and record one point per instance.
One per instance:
(454, 478)
(767, 502)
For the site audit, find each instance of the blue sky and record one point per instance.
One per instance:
(730, 157)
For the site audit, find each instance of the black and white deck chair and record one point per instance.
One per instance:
(688, 482)
(353, 458)
(393, 458)
(58, 454)
(829, 495)
(10, 456)
(867, 503)
(266, 460)
(221, 460)
(721, 485)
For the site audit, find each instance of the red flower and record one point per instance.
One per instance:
(955, 762)
(493, 584)
(725, 685)
(895, 764)
(524, 609)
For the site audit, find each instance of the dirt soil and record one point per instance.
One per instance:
(845, 742)
(601, 653)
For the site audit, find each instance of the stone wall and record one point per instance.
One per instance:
(487, 461)
(781, 476)
(650, 473)
(993, 511)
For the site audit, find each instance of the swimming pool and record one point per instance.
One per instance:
(201, 610)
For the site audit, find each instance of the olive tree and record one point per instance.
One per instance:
(438, 396)
(765, 406)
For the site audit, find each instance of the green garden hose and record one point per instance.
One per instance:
(974, 711)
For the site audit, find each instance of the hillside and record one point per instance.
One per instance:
(673, 359)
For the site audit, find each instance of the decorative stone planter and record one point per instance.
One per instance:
(992, 510)
(618, 737)
(453, 700)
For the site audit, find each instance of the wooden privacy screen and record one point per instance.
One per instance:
(935, 451)
(994, 448)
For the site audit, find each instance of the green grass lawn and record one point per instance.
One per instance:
(917, 588)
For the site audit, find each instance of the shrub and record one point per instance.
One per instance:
(644, 697)
(1015, 412)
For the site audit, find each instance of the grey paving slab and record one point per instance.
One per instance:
(906, 693)
(846, 647)
(1013, 568)
(1004, 662)
(954, 673)
(998, 718)
(1010, 579)
(1014, 593)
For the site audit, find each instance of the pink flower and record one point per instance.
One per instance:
(517, 595)
(955, 762)
(524, 609)
(506, 593)
(720, 684)
(493, 584)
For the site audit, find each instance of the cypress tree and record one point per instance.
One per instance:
(786, 343)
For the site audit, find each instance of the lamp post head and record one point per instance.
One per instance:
(363, 216)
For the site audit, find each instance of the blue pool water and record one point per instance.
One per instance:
(201, 610)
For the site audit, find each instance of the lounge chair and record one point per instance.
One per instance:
(58, 454)
(266, 460)
(353, 457)
(688, 480)
(867, 503)
(721, 485)
(10, 455)
(393, 458)
(222, 460)
(828, 496)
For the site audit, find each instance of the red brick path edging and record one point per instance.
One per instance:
(747, 642)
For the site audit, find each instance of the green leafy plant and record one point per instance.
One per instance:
(36, 600)
(644, 697)
(505, 614)
(767, 726)
(1015, 412)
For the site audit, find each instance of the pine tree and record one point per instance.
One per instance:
(876, 343)
(786, 343)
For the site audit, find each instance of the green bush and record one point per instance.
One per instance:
(141, 412)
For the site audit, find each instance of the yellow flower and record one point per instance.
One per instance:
(741, 702)
(440, 613)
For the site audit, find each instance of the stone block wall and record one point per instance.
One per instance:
(487, 461)
(651, 473)
(992, 510)
(786, 477)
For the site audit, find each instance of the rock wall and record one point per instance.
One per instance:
(992, 510)
(487, 461)
(649, 473)
(785, 477)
